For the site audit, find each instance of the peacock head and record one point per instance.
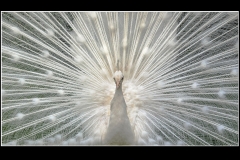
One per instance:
(118, 78)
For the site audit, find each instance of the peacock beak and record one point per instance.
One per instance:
(118, 83)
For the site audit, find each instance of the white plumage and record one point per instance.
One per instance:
(119, 131)
(180, 78)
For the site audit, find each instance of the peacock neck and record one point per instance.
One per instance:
(119, 90)
(118, 96)
(119, 100)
